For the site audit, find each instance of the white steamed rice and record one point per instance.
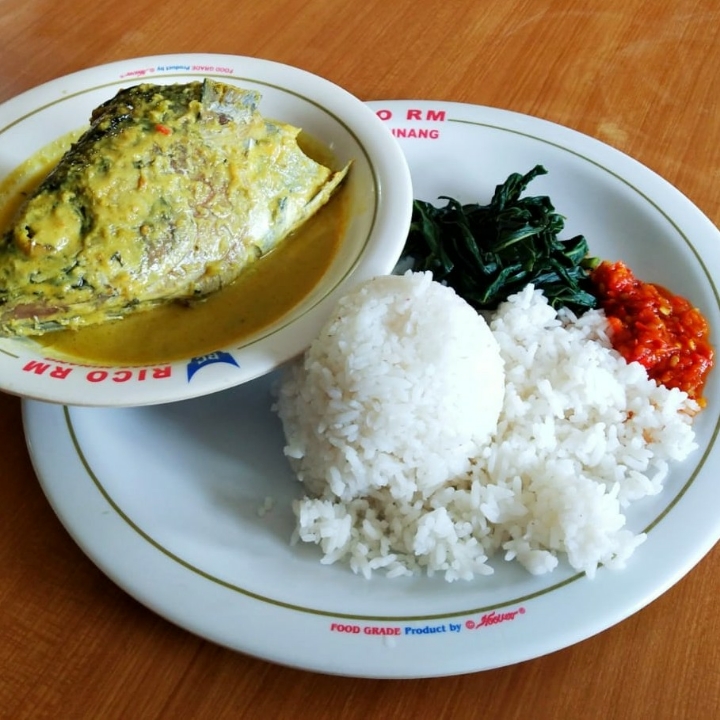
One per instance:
(425, 442)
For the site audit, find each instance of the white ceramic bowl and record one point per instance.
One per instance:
(380, 201)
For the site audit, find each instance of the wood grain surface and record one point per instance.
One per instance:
(641, 75)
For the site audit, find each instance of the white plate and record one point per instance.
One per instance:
(380, 195)
(166, 499)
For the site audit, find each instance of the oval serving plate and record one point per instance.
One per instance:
(188, 506)
(380, 205)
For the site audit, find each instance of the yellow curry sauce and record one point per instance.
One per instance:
(266, 291)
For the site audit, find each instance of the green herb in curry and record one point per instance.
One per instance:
(488, 252)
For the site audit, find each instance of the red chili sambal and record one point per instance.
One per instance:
(650, 325)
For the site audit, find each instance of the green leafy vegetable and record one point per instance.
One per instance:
(488, 252)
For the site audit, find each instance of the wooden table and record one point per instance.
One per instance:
(641, 75)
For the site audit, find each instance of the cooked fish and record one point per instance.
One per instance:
(171, 192)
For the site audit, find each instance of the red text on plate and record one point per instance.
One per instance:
(62, 372)
(414, 114)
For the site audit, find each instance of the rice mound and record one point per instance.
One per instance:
(416, 460)
(401, 388)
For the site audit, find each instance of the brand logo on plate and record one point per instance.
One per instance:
(486, 620)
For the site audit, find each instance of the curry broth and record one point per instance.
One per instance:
(263, 293)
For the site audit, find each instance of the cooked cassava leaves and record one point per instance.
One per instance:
(488, 252)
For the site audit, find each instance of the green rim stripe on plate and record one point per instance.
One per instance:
(326, 613)
(472, 611)
(392, 618)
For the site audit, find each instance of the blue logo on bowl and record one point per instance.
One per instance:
(219, 356)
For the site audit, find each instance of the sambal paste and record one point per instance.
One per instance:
(650, 325)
